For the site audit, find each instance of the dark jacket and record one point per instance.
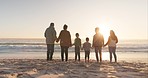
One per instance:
(65, 38)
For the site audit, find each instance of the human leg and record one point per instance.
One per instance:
(114, 53)
(51, 50)
(78, 53)
(75, 56)
(110, 52)
(96, 52)
(85, 55)
(62, 53)
(100, 53)
(88, 55)
(48, 51)
(66, 53)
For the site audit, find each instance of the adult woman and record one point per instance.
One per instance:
(65, 42)
(112, 41)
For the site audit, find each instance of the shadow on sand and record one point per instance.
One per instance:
(40, 68)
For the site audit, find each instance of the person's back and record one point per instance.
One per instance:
(65, 38)
(50, 35)
(112, 42)
(98, 40)
(77, 44)
(65, 42)
(86, 46)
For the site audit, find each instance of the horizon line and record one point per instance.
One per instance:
(71, 38)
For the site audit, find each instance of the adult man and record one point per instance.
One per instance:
(50, 35)
(98, 43)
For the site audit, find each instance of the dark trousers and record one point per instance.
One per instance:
(112, 50)
(100, 53)
(87, 55)
(64, 49)
(77, 53)
(50, 51)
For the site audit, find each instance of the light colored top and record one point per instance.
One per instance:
(50, 35)
(112, 43)
(86, 46)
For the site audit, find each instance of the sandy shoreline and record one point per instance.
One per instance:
(121, 56)
(40, 68)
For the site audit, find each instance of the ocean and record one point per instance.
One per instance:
(38, 45)
(13, 48)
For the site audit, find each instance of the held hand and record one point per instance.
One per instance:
(104, 45)
(57, 41)
(70, 45)
(81, 48)
(92, 47)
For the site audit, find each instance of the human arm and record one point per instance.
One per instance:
(59, 37)
(45, 33)
(102, 40)
(70, 43)
(74, 42)
(80, 42)
(107, 41)
(116, 39)
(93, 41)
(54, 35)
(82, 47)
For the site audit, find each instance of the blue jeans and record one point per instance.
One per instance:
(50, 51)
(112, 50)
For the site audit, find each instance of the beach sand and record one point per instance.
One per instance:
(40, 68)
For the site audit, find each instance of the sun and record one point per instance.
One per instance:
(104, 30)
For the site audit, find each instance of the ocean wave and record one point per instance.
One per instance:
(43, 48)
(38, 45)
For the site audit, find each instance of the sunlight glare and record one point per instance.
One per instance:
(104, 31)
(105, 55)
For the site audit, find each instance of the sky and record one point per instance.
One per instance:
(30, 18)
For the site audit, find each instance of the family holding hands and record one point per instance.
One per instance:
(65, 43)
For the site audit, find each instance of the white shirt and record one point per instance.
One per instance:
(86, 46)
(112, 43)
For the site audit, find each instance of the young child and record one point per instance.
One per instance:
(77, 43)
(86, 47)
